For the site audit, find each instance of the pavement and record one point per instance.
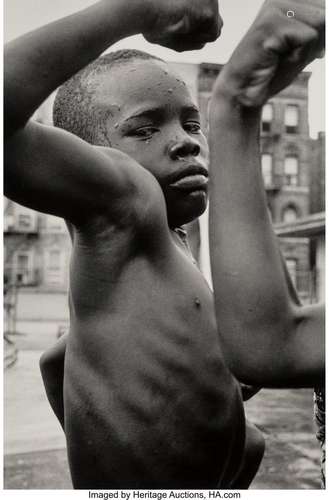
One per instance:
(292, 454)
(29, 423)
(34, 444)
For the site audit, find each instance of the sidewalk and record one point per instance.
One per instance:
(292, 455)
(38, 470)
(34, 444)
(29, 423)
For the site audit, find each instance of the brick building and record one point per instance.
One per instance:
(317, 184)
(36, 248)
(313, 227)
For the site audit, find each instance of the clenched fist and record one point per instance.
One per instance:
(183, 24)
(274, 50)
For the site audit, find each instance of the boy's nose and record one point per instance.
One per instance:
(181, 149)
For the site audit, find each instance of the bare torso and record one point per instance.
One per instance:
(149, 402)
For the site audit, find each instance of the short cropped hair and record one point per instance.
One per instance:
(74, 107)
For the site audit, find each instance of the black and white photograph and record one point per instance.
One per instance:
(164, 248)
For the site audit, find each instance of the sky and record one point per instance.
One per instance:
(21, 16)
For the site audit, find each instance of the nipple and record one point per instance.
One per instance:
(181, 82)
(197, 302)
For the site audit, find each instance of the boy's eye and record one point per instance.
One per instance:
(193, 127)
(145, 132)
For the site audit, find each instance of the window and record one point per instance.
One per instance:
(8, 222)
(55, 224)
(267, 169)
(54, 260)
(291, 119)
(289, 214)
(292, 269)
(291, 170)
(23, 268)
(267, 117)
(54, 267)
(24, 221)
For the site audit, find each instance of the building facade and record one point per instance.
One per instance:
(317, 185)
(313, 227)
(36, 249)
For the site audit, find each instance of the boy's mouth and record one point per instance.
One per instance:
(193, 177)
(191, 182)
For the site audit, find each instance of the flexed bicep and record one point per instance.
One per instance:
(53, 171)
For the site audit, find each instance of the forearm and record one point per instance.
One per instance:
(253, 303)
(38, 62)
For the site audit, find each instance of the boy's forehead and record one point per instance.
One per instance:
(137, 81)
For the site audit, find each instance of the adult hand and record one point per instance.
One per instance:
(183, 24)
(285, 37)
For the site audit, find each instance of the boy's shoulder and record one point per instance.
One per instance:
(142, 211)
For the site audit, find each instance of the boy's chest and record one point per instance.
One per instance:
(155, 338)
(124, 279)
(153, 359)
(154, 319)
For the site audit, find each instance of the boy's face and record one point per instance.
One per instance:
(153, 118)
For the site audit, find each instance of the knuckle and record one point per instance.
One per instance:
(311, 36)
(321, 53)
(211, 36)
(218, 28)
(210, 16)
(175, 45)
(267, 27)
(215, 29)
(211, 28)
(322, 20)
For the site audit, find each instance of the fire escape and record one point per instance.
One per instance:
(18, 233)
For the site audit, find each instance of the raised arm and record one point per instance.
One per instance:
(51, 170)
(269, 339)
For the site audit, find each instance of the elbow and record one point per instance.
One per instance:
(262, 355)
(15, 100)
(13, 119)
(45, 364)
(53, 377)
(51, 362)
(8, 181)
(50, 366)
